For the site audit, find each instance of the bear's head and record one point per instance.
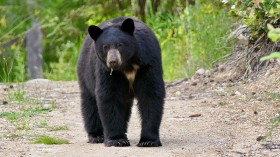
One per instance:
(115, 45)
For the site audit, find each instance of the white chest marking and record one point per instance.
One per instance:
(130, 75)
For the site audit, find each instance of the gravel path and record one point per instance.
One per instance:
(202, 117)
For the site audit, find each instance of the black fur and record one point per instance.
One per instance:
(107, 99)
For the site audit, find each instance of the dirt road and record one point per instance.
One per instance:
(202, 117)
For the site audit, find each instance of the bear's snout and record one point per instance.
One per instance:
(113, 58)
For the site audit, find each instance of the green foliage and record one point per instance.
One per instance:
(63, 23)
(186, 44)
(49, 140)
(207, 29)
(276, 121)
(41, 124)
(12, 64)
(28, 106)
(30, 112)
(180, 29)
(65, 67)
(271, 56)
(19, 95)
(274, 124)
(58, 128)
(170, 31)
(12, 135)
(22, 124)
(10, 115)
(44, 124)
(274, 35)
(273, 96)
(256, 14)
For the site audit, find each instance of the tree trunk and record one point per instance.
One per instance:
(34, 51)
(141, 12)
(155, 4)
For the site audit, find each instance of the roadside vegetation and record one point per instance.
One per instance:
(20, 110)
(192, 35)
(262, 20)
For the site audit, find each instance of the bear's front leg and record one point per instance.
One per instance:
(114, 125)
(114, 116)
(150, 93)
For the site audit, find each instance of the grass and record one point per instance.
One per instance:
(30, 112)
(273, 96)
(194, 39)
(27, 105)
(208, 29)
(41, 124)
(10, 115)
(274, 123)
(58, 127)
(171, 33)
(6, 69)
(43, 139)
(12, 64)
(44, 124)
(12, 135)
(24, 105)
(17, 95)
(22, 124)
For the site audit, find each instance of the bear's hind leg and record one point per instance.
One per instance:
(91, 118)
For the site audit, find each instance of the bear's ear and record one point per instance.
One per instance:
(94, 32)
(128, 26)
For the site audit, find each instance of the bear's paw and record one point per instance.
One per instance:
(117, 143)
(96, 139)
(149, 144)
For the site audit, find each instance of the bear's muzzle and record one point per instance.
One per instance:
(113, 59)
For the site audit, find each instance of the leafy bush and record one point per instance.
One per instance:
(193, 39)
(274, 35)
(12, 64)
(207, 30)
(256, 14)
(171, 33)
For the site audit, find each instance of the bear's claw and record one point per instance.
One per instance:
(97, 139)
(149, 144)
(117, 143)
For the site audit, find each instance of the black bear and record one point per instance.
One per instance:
(121, 60)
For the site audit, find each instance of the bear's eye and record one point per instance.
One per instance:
(105, 47)
(119, 45)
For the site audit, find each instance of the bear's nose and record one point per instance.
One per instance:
(113, 63)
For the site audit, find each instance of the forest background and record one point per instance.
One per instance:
(193, 34)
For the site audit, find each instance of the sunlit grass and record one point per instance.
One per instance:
(43, 139)
(30, 112)
(193, 40)
(58, 127)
